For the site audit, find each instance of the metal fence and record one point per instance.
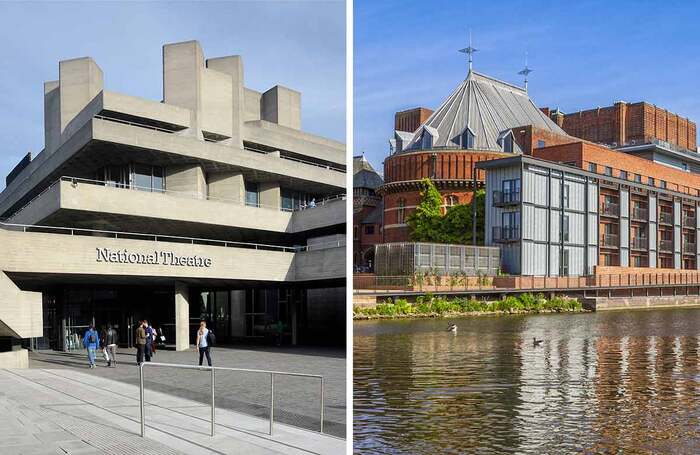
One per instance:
(213, 370)
(164, 238)
(371, 284)
(409, 258)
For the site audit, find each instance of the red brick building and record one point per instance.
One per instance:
(624, 124)
(482, 119)
(367, 213)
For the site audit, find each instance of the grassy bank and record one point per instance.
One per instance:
(430, 306)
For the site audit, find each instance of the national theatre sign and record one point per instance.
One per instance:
(151, 258)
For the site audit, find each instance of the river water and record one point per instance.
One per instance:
(608, 382)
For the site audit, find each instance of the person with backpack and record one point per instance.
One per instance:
(205, 339)
(140, 343)
(150, 335)
(91, 341)
(111, 340)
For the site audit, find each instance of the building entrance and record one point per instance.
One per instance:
(73, 309)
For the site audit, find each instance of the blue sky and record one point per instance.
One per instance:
(584, 54)
(297, 44)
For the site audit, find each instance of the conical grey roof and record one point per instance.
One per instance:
(487, 107)
(364, 175)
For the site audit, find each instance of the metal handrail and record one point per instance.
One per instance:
(191, 240)
(272, 374)
(108, 184)
(287, 157)
(165, 130)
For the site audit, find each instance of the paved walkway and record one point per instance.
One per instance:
(297, 400)
(59, 411)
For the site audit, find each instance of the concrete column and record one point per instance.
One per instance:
(183, 64)
(186, 179)
(227, 186)
(233, 66)
(269, 194)
(80, 80)
(182, 317)
(52, 116)
(282, 106)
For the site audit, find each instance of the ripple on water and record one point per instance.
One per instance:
(598, 383)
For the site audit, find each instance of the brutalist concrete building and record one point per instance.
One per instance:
(210, 204)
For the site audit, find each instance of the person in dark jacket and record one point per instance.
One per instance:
(91, 341)
(148, 352)
(140, 343)
(111, 340)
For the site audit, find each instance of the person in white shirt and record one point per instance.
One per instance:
(203, 343)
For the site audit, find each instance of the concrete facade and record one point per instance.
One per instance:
(216, 176)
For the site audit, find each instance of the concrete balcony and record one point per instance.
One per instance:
(70, 202)
(98, 141)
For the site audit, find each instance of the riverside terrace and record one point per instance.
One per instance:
(215, 173)
(638, 288)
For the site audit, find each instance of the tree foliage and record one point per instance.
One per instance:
(428, 224)
(424, 222)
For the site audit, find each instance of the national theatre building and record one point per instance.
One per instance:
(211, 204)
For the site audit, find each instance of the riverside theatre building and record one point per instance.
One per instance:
(195, 207)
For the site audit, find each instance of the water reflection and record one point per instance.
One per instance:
(599, 383)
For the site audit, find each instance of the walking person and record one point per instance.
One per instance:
(203, 342)
(111, 340)
(154, 339)
(140, 343)
(148, 351)
(91, 341)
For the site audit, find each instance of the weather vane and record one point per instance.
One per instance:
(469, 50)
(525, 71)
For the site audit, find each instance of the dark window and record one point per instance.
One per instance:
(369, 229)
(564, 262)
(608, 170)
(565, 196)
(565, 228)
(511, 186)
(426, 140)
(623, 175)
(651, 181)
(540, 143)
(662, 184)
(251, 194)
(592, 167)
(637, 178)
(468, 139)
(508, 143)
(401, 213)
(158, 179)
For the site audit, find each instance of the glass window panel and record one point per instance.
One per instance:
(251, 194)
(158, 179)
(142, 177)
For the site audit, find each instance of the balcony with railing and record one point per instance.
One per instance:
(503, 234)
(639, 243)
(609, 209)
(689, 221)
(640, 214)
(689, 247)
(503, 198)
(609, 240)
(666, 218)
(666, 245)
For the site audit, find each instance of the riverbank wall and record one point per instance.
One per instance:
(640, 302)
